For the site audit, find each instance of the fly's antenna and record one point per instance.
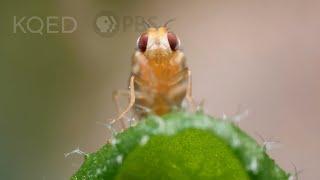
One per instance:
(168, 22)
(147, 25)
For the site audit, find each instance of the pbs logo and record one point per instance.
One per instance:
(106, 24)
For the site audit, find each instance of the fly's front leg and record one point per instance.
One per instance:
(132, 98)
(125, 93)
(182, 84)
(115, 96)
(184, 74)
(189, 92)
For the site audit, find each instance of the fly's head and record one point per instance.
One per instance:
(158, 44)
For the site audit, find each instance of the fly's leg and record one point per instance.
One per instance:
(115, 96)
(126, 93)
(189, 92)
(132, 98)
(182, 84)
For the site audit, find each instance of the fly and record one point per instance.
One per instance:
(160, 78)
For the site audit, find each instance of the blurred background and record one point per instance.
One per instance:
(55, 87)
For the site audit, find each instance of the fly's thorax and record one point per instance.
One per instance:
(159, 56)
(158, 64)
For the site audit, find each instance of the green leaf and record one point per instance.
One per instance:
(181, 146)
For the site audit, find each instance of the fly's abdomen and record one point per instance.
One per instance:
(160, 102)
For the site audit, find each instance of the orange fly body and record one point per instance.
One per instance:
(160, 79)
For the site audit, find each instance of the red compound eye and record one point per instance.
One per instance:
(142, 42)
(173, 40)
